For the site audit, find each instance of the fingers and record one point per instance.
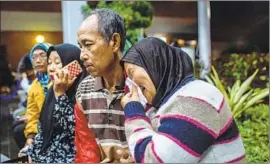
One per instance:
(20, 155)
(60, 74)
(29, 159)
(126, 99)
(65, 77)
(134, 91)
(55, 78)
(129, 94)
(71, 80)
(125, 154)
(62, 77)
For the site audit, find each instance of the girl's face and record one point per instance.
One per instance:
(54, 63)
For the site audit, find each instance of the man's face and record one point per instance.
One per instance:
(40, 60)
(96, 52)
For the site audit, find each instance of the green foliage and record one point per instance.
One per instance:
(253, 126)
(240, 66)
(241, 96)
(137, 14)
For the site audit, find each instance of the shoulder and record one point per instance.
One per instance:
(202, 91)
(88, 81)
(85, 86)
(35, 84)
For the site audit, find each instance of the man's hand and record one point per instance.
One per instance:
(131, 96)
(125, 156)
(62, 81)
(29, 141)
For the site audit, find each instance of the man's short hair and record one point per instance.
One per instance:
(110, 22)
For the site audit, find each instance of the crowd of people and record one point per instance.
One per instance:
(129, 104)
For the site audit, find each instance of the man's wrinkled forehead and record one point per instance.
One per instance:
(89, 24)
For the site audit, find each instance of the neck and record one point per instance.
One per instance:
(31, 78)
(113, 76)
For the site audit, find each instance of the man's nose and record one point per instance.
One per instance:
(38, 59)
(83, 56)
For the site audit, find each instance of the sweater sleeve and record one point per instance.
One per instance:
(32, 113)
(180, 137)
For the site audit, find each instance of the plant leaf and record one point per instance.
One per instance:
(244, 87)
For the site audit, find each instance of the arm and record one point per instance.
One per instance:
(180, 137)
(63, 111)
(32, 113)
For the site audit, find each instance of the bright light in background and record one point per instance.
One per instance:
(163, 38)
(40, 38)
(193, 43)
(160, 36)
(181, 42)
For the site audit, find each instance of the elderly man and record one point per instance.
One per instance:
(101, 37)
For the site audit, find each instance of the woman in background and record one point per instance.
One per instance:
(54, 142)
(27, 75)
(36, 92)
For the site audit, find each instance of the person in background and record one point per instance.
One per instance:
(27, 72)
(189, 121)
(54, 142)
(6, 78)
(27, 75)
(101, 38)
(37, 91)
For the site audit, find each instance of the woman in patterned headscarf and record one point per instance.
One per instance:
(37, 90)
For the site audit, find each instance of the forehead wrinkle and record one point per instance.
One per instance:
(90, 24)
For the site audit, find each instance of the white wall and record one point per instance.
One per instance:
(72, 18)
(172, 25)
(30, 21)
(49, 21)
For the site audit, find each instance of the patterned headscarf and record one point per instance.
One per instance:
(43, 78)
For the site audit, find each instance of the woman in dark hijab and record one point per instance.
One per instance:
(54, 142)
(189, 121)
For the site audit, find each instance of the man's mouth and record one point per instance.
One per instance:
(39, 66)
(88, 65)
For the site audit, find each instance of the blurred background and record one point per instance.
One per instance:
(238, 51)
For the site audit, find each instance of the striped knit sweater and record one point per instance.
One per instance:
(195, 124)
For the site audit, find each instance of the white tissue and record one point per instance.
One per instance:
(131, 83)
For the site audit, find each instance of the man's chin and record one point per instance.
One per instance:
(41, 71)
(94, 73)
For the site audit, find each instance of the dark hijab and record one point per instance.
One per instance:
(67, 53)
(166, 65)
